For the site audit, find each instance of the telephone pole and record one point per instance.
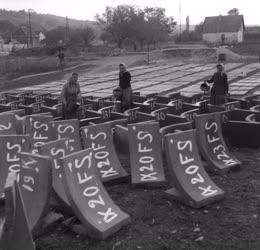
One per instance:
(188, 24)
(67, 35)
(30, 27)
(180, 16)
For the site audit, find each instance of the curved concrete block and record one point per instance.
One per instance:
(132, 115)
(11, 146)
(15, 233)
(145, 153)
(255, 108)
(39, 128)
(212, 144)
(106, 112)
(173, 129)
(190, 114)
(121, 139)
(232, 105)
(68, 129)
(100, 138)
(7, 124)
(35, 185)
(88, 197)
(193, 185)
(56, 150)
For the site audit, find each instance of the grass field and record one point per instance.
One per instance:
(249, 48)
(17, 66)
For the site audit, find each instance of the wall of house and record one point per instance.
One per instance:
(230, 37)
(240, 34)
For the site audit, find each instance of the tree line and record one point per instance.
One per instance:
(123, 24)
(119, 24)
(143, 26)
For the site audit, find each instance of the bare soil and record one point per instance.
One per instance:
(89, 66)
(158, 222)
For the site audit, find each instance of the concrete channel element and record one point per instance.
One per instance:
(193, 186)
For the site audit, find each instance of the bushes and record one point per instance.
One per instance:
(191, 36)
(16, 66)
(246, 48)
(37, 51)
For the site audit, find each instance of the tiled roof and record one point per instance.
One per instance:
(217, 24)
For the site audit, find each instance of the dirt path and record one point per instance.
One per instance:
(232, 56)
(97, 66)
(107, 64)
(159, 223)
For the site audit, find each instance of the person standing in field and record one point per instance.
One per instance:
(125, 88)
(61, 57)
(219, 90)
(71, 97)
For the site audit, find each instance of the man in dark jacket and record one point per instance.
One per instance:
(71, 97)
(219, 90)
(125, 87)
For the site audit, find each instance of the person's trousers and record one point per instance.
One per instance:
(218, 99)
(126, 98)
(70, 111)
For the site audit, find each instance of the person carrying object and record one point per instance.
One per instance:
(219, 90)
(125, 90)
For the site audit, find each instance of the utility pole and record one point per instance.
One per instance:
(67, 35)
(180, 16)
(188, 24)
(30, 27)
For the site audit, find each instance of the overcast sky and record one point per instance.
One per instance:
(87, 9)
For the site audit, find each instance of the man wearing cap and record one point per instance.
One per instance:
(219, 90)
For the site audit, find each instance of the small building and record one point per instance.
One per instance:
(224, 29)
(13, 42)
(38, 39)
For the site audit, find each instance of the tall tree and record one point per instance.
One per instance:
(79, 37)
(106, 37)
(116, 21)
(55, 35)
(87, 35)
(157, 25)
(199, 29)
(233, 11)
(146, 26)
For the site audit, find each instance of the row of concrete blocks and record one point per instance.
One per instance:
(185, 176)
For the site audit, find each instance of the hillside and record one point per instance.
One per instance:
(40, 21)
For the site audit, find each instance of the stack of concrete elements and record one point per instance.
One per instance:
(44, 157)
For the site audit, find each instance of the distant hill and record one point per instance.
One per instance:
(40, 22)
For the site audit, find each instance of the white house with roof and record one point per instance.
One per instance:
(224, 29)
